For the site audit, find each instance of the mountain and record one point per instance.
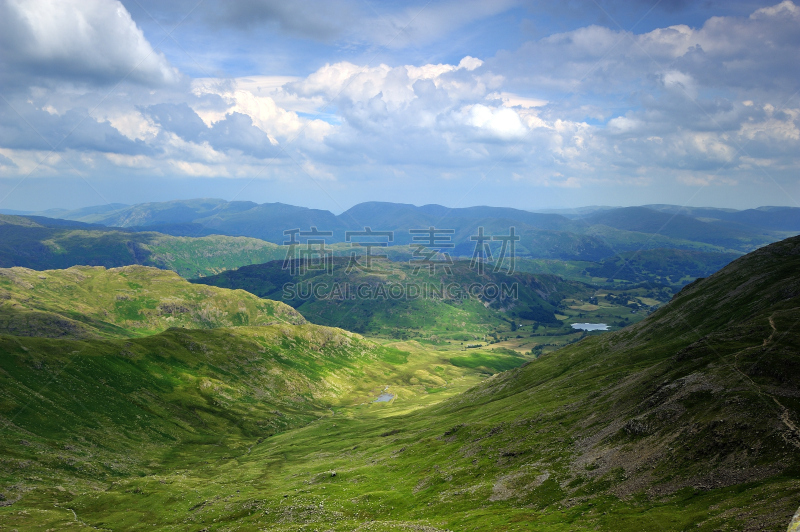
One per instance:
(643, 220)
(85, 214)
(45, 243)
(400, 217)
(685, 420)
(93, 302)
(576, 212)
(213, 216)
(578, 234)
(772, 218)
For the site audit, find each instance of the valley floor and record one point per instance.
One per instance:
(385, 466)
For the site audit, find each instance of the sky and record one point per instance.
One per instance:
(329, 103)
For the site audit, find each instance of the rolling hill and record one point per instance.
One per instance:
(392, 300)
(724, 234)
(44, 243)
(588, 235)
(685, 420)
(86, 302)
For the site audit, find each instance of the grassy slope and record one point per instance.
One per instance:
(131, 301)
(96, 411)
(685, 420)
(209, 255)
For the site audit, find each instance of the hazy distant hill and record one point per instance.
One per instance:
(43, 243)
(212, 216)
(400, 217)
(585, 234)
(643, 220)
(773, 218)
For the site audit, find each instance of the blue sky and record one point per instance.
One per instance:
(330, 103)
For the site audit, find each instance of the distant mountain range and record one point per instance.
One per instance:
(592, 233)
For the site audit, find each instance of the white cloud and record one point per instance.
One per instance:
(513, 100)
(87, 40)
(784, 8)
(131, 161)
(774, 129)
(198, 169)
(132, 124)
(503, 123)
(580, 108)
(255, 97)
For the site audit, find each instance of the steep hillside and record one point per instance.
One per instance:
(84, 302)
(661, 266)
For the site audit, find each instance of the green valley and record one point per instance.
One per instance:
(686, 419)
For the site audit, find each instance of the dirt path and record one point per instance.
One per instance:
(774, 330)
(784, 416)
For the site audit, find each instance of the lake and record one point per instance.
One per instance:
(590, 326)
(384, 398)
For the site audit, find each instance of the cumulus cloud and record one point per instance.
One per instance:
(757, 52)
(503, 123)
(583, 107)
(24, 127)
(93, 41)
(430, 114)
(234, 132)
